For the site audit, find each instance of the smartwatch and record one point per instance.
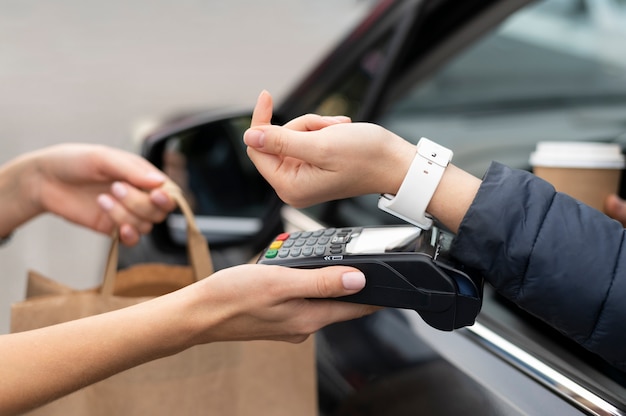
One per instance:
(419, 185)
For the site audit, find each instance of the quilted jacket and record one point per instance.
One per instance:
(553, 256)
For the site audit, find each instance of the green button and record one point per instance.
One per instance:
(270, 254)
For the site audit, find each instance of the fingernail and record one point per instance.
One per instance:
(330, 120)
(105, 202)
(159, 198)
(119, 190)
(335, 119)
(353, 280)
(254, 138)
(127, 232)
(156, 176)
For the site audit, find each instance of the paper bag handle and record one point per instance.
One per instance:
(197, 247)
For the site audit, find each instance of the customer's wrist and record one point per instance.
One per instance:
(453, 197)
(392, 173)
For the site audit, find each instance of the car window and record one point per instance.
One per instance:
(201, 161)
(555, 70)
(348, 93)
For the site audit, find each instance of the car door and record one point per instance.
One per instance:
(489, 80)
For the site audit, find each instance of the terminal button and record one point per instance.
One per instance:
(276, 245)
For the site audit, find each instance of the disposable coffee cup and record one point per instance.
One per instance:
(586, 171)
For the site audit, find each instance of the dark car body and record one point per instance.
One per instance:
(487, 78)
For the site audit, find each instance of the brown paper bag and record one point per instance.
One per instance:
(227, 378)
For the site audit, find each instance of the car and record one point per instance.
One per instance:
(486, 78)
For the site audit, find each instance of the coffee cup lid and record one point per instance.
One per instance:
(578, 155)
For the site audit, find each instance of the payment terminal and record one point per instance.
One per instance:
(404, 266)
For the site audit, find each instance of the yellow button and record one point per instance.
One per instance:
(276, 245)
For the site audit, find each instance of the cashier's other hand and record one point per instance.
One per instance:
(615, 207)
(272, 302)
(101, 188)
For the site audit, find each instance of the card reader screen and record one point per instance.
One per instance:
(384, 240)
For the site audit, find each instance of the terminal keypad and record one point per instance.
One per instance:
(328, 241)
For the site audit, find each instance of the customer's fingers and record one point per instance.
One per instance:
(615, 207)
(262, 113)
(312, 122)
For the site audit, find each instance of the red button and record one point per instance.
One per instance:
(282, 237)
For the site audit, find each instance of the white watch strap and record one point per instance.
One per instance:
(419, 185)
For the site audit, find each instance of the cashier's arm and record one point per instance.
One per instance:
(239, 303)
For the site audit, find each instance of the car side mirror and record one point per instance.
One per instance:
(205, 155)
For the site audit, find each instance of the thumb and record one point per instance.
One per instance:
(133, 169)
(282, 141)
(330, 282)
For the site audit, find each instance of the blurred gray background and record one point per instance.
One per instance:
(99, 72)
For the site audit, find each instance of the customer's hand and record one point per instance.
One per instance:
(615, 207)
(338, 160)
(95, 186)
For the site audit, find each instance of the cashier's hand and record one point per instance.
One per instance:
(271, 302)
(313, 159)
(615, 207)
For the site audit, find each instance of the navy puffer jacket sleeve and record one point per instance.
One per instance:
(555, 257)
